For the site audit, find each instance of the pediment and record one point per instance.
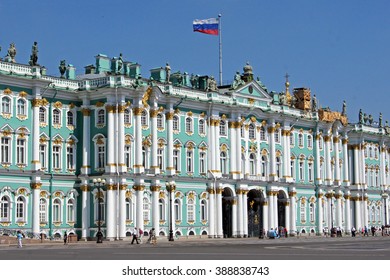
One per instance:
(252, 90)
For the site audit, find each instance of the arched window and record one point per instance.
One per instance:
(146, 209)
(128, 156)
(303, 211)
(370, 152)
(300, 140)
(56, 117)
(252, 164)
(144, 118)
(21, 107)
(223, 161)
(309, 141)
(190, 161)
(20, 209)
(101, 117)
(6, 105)
(201, 127)
(160, 121)
(69, 118)
(71, 157)
(160, 158)
(203, 210)
(57, 211)
(42, 115)
(42, 211)
(292, 139)
(177, 210)
(222, 128)
(252, 134)
(5, 207)
(161, 208)
(129, 209)
(21, 151)
(188, 125)
(127, 117)
(190, 210)
(100, 210)
(175, 123)
(70, 211)
(301, 170)
(277, 135)
(202, 163)
(310, 170)
(311, 212)
(262, 134)
(264, 169)
(176, 159)
(56, 157)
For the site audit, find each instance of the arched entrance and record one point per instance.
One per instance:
(255, 213)
(282, 201)
(227, 199)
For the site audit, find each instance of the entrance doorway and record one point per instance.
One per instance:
(255, 213)
(282, 201)
(227, 199)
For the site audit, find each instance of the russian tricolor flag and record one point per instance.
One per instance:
(208, 26)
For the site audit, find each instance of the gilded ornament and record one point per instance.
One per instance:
(99, 104)
(36, 186)
(58, 105)
(146, 96)
(23, 94)
(7, 91)
(169, 115)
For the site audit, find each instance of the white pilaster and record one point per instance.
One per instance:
(36, 190)
(339, 222)
(234, 216)
(337, 179)
(212, 221)
(122, 210)
(155, 188)
(219, 213)
(346, 164)
(111, 217)
(287, 216)
(36, 164)
(85, 211)
(318, 160)
(111, 141)
(86, 167)
(154, 166)
(358, 213)
(348, 226)
(293, 212)
(271, 209)
(245, 212)
(265, 217)
(138, 164)
(240, 232)
(328, 166)
(121, 139)
(272, 157)
(320, 212)
(170, 168)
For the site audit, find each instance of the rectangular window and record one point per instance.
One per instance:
(101, 155)
(190, 212)
(176, 160)
(202, 163)
(189, 162)
(20, 151)
(42, 156)
(70, 160)
(5, 150)
(128, 156)
(56, 157)
(160, 159)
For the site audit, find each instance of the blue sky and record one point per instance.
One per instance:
(339, 49)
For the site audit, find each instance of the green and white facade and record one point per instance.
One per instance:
(231, 161)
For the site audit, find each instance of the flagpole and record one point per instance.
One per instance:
(220, 48)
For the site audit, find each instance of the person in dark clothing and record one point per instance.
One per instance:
(135, 236)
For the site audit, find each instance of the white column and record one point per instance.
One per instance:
(328, 178)
(339, 222)
(86, 167)
(238, 153)
(329, 202)
(154, 166)
(362, 166)
(275, 198)
(265, 217)
(138, 167)
(245, 212)
(358, 213)
(85, 206)
(139, 194)
(286, 159)
(240, 213)
(122, 210)
(234, 216)
(337, 179)
(211, 211)
(219, 213)
(356, 165)
(121, 139)
(320, 212)
(287, 216)
(212, 147)
(293, 212)
(155, 188)
(111, 217)
(36, 191)
(111, 139)
(382, 166)
(346, 164)
(36, 164)
(348, 226)
(317, 162)
(233, 147)
(272, 157)
(365, 218)
(271, 209)
(170, 168)
(217, 161)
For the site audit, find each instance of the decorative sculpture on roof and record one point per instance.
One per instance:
(380, 120)
(248, 72)
(194, 81)
(370, 119)
(361, 117)
(34, 55)
(62, 68)
(11, 53)
(211, 84)
(120, 63)
(167, 73)
(314, 103)
(282, 99)
(344, 110)
(237, 81)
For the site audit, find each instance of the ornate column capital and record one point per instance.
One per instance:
(155, 188)
(85, 188)
(139, 187)
(86, 112)
(137, 111)
(36, 186)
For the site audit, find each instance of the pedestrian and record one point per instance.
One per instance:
(152, 237)
(353, 231)
(365, 231)
(383, 230)
(65, 238)
(141, 234)
(19, 237)
(135, 236)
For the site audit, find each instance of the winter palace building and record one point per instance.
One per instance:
(111, 149)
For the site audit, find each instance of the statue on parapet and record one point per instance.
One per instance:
(344, 110)
(380, 120)
(120, 63)
(361, 117)
(314, 104)
(34, 55)
(237, 81)
(167, 73)
(370, 119)
(194, 81)
(11, 53)
(62, 68)
(212, 84)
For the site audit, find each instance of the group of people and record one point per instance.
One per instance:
(138, 234)
(277, 233)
